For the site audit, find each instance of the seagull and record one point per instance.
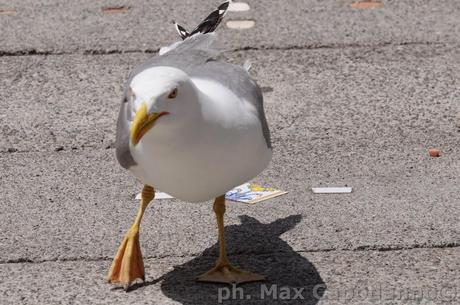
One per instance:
(193, 127)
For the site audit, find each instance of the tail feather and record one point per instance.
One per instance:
(208, 25)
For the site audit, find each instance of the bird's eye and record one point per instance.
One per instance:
(173, 93)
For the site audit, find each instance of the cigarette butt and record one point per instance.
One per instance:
(433, 152)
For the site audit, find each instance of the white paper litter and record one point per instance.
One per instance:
(158, 195)
(331, 190)
(252, 193)
(238, 7)
(240, 24)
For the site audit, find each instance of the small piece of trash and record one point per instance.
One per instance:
(369, 4)
(331, 190)
(115, 9)
(252, 193)
(158, 195)
(238, 7)
(240, 24)
(247, 193)
(7, 11)
(433, 152)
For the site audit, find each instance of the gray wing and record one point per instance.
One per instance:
(194, 56)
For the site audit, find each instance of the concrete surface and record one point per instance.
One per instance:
(417, 276)
(353, 97)
(47, 27)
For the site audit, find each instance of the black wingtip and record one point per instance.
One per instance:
(224, 6)
(181, 30)
(210, 23)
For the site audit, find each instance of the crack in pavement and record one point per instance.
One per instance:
(36, 52)
(364, 248)
(60, 148)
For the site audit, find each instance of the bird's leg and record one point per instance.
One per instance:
(128, 264)
(224, 272)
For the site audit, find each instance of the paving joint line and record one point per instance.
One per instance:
(357, 249)
(58, 149)
(95, 52)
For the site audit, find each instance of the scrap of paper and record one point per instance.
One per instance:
(252, 193)
(158, 195)
(331, 190)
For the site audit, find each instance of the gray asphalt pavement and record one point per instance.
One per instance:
(44, 26)
(353, 97)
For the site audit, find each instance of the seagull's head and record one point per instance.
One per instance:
(162, 98)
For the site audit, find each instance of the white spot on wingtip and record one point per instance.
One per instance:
(241, 24)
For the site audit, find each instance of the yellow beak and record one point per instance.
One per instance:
(143, 122)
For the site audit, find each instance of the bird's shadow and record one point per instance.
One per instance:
(290, 277)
